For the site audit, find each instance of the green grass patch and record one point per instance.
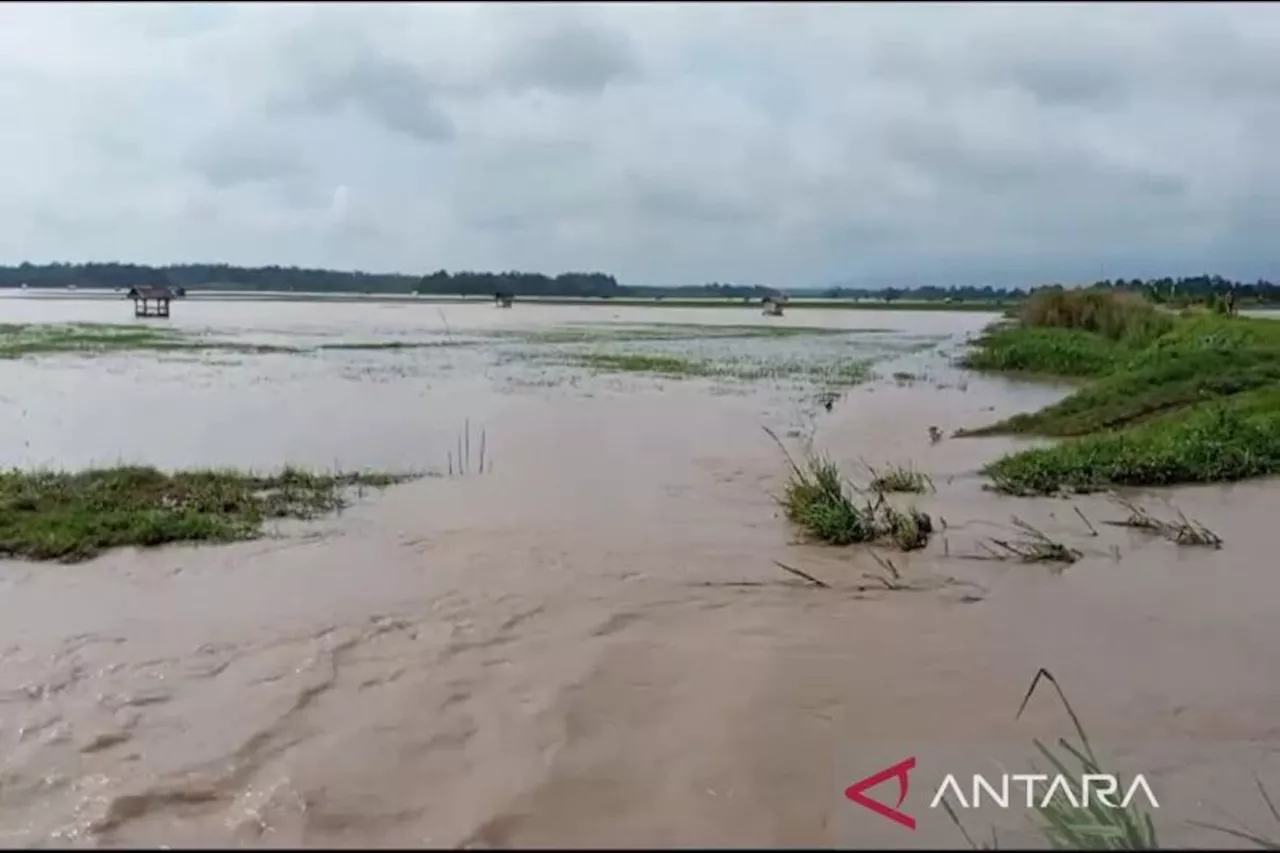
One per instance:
(19, 340)
(72, 516)
(817, 499)
(598, 332)
(841, 373)
(1196, 403)
(1044, 352)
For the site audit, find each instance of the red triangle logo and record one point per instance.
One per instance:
(856, 792)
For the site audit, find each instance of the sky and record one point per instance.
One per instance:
(787, 144)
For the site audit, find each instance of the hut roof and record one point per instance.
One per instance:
(150, 292)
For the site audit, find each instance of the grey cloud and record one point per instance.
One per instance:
(234, 159)
(571, 57)
(391, 92)
(802, 143)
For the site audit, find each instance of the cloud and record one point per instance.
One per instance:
(793, 144)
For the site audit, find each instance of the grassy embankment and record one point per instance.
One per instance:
(1169, 398)
(51, 515)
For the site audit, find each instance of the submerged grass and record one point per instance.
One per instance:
(900, 478)
(72, 516)
(842, 373)
(817, 499)
(1173, 399)
(19, 340)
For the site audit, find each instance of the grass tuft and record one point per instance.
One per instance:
(1078, 827)
(900, 478)
(817, 499)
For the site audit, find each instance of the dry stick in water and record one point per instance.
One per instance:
(805, 575)
(482, 443)
(1092, 530)
(468, 441)
(892, 579)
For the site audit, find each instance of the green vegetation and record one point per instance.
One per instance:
(677, 367)
(1173, 399)
(52, 515)
(816, 499)
(900, 478)
(1065, 824)
(664, 332)
(18, 340)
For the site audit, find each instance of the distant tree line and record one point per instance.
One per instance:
(301, 280)
(570, 284)
(1198, 288)
(927, 294)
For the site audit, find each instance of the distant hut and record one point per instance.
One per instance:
(150, 301)
(772, 306)
(503, 300)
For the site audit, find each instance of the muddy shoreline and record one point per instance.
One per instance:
(563, 651)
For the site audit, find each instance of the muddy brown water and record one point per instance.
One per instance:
(589, 644)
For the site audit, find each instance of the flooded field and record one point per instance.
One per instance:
(589, 643)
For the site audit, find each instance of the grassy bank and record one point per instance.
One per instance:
(51, 515)
(1170, 398)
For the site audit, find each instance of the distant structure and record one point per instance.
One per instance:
(503, 300)
(150, 301)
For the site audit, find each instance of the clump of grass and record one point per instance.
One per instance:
(1065, 825)
(908, 529)
(817, 499)
(1070, 827)
(900, 478)
(1183, 531)
(1095, 826)
(66, 516)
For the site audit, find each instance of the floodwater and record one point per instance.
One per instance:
(588, 644)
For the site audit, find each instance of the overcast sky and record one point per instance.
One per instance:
(789, 144)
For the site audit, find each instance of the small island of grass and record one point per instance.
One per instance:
(1171, 398)
(73, 516)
